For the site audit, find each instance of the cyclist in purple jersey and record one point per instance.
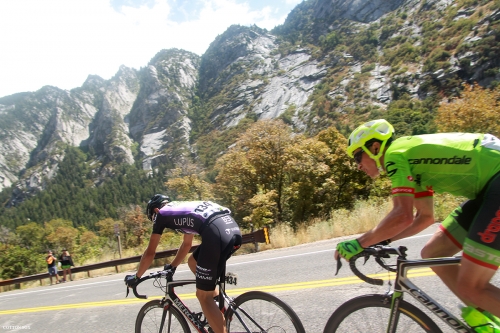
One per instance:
(463, 164)
(220, 237)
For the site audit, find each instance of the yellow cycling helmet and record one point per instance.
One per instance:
(379, 129)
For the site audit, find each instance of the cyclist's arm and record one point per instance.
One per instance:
(423, 218)
(149, 254)
(398, 219)
(187, 242)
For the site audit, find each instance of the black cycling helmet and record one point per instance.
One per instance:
(157, 201)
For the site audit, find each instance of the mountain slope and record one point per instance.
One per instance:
(332, 63)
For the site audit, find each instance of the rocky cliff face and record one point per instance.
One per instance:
(147, 115)
(35, 128)
(158, 120)
(354, 10)
(244, 66)
(92, 116)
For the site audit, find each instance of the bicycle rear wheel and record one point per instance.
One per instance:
(262, 312)
(370, 313)
(150, 317)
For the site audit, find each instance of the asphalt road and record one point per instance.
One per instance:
(303, 276)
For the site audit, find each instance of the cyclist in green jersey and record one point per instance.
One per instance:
(463, 164)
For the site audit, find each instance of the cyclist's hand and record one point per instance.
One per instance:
(348, 249)
(169, 267)
(131, 280)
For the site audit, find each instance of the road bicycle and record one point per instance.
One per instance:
(250, 312)
(389, 312)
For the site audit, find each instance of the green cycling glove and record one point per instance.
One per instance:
(348, 249)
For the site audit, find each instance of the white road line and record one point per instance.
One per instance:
(307, 253)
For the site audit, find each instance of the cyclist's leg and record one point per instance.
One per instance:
(210, 310)
(440, 245)
(448, 239)
(474, 285)
(481, 256)
(206, 297)
(214, 241)
(193, 258)
(230, 241)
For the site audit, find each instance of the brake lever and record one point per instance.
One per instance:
(339, 264)
(128, 289)
(367, 256)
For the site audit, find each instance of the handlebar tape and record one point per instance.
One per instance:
(169, 275)
(354, 269)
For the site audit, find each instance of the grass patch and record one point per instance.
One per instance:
(342, 222)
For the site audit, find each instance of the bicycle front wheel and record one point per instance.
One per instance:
(370, 313)
(150, 318)
(262, 312)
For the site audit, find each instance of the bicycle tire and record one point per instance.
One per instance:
(150, 317)
(258, 308)
(370, 313)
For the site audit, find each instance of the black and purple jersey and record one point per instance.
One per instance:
(188, 217)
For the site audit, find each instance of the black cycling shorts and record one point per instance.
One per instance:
(219, 239)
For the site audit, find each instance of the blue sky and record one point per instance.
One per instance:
(61, 42)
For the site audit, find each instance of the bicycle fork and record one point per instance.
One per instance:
(166, 306)
(396, 298)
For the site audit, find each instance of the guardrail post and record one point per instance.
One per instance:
(256, 244)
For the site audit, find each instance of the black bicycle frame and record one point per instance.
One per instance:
(403, 284)
(171, 298)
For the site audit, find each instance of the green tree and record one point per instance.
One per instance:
(89, 246)
(17, 261)
(7, 237)
(476, 110)
(60, 234)
(411, 117)
(189, 187)
(32, 236)
(263, 209)
(345, 183)
(107, 227)
(136, 226)
(256, 160)
(236, 182)
(311, 177)
(272, 173)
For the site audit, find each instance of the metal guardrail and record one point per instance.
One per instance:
(259, 236)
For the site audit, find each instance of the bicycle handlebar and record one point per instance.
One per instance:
(378, 252)
(168, 273)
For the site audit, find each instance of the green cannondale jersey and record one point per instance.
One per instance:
(457, 163)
